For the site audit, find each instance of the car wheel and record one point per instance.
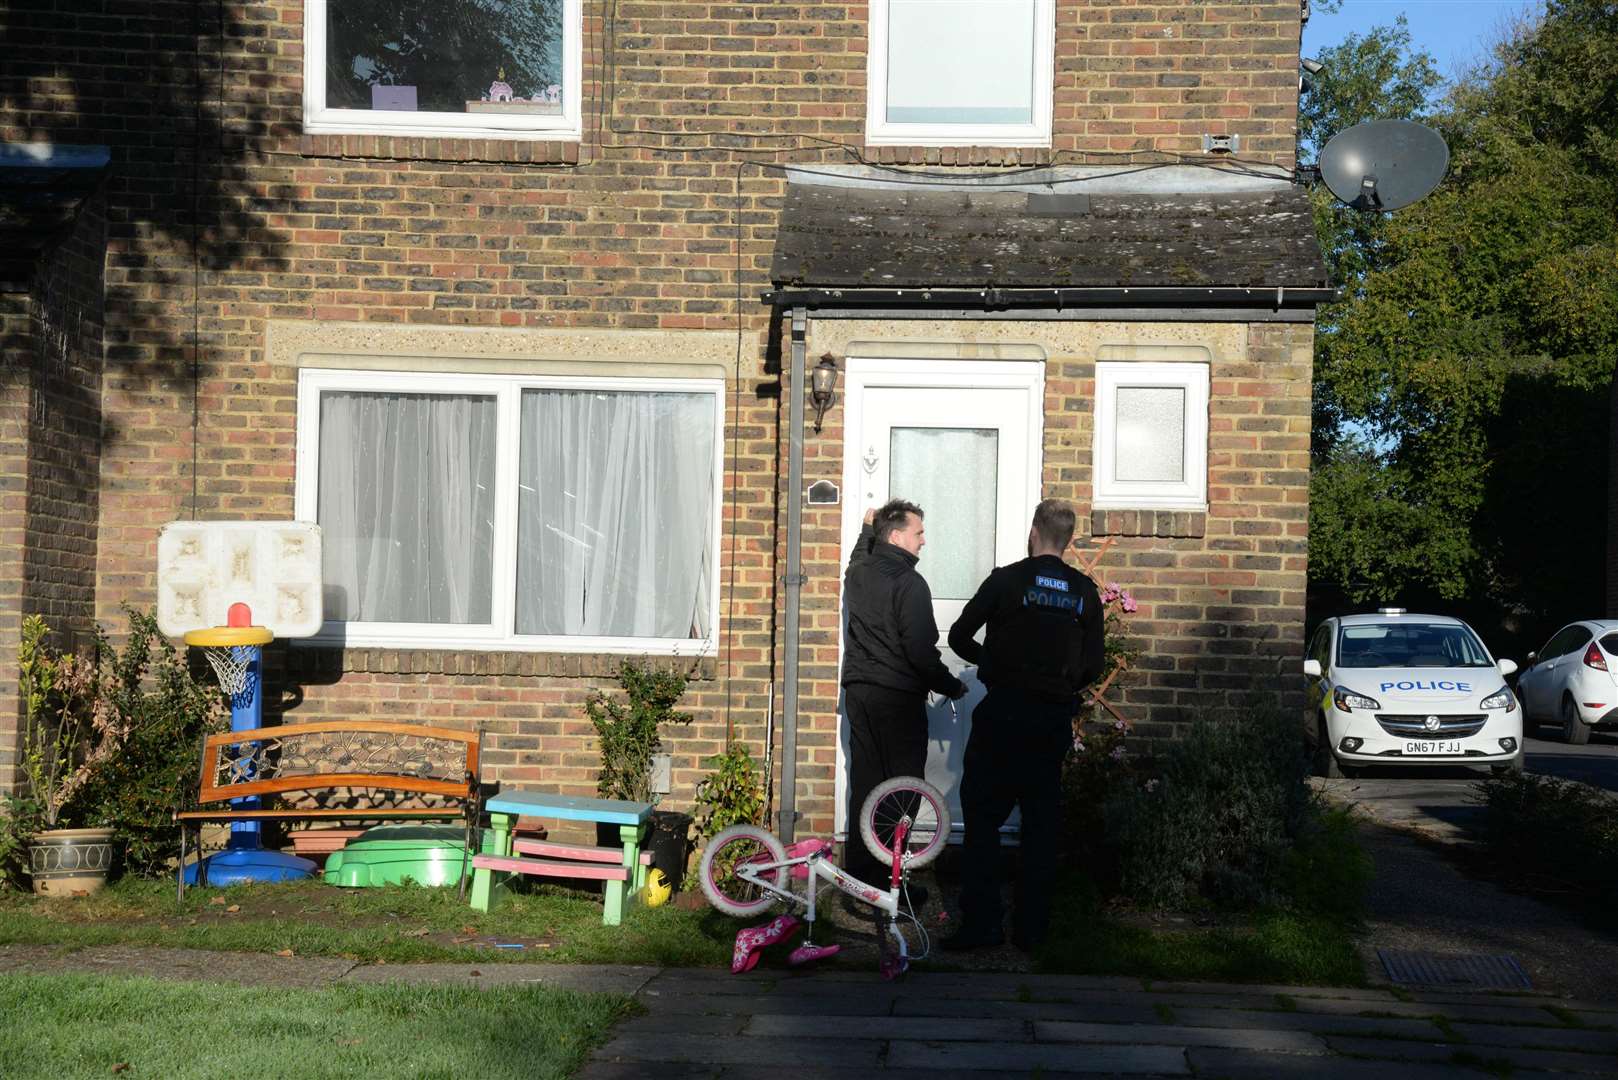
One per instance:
(1326, 763)
(1575, 732)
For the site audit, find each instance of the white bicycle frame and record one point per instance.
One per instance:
(823, 870)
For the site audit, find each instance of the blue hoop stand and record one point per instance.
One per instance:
(245, 857)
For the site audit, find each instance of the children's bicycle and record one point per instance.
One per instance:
(745, 870)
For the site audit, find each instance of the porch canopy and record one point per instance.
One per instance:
(1084, 242)
(41, 188)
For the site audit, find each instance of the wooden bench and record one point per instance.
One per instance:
(326, 757)
(621, 868)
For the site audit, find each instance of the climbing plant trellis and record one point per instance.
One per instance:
(1096, 695)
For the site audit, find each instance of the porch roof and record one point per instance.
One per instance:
(41, 188)
(1010, 244)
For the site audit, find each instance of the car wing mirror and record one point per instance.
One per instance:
(1312, 668)
(1507, 667)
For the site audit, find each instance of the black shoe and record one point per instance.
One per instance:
(973, 937)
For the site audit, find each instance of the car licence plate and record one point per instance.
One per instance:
(1453, 746)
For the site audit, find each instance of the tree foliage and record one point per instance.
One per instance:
(1462, 387)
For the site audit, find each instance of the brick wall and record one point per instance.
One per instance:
(16, 360)
(222, 217)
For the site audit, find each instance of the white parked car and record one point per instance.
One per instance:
(1400, 689)
(1573, 681)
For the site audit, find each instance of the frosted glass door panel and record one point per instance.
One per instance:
(953, 475)
(1151, 434)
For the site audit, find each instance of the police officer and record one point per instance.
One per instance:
(1042, 648)
(890, 662)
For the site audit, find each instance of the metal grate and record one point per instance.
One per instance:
(1454, 972)
(1415, 727)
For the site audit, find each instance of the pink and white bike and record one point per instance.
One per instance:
(745, 870)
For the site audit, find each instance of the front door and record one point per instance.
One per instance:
(962, 440)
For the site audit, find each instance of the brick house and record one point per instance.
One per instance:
(526, 326)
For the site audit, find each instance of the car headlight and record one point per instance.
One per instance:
(1500, 699)
(1347, 700)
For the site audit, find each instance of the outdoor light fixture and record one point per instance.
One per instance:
(821, 382)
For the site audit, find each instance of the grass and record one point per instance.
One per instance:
(93, 1025)
(395, 925)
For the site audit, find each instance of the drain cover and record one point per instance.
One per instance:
(1454, 972)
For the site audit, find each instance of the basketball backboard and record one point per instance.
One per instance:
(203, 567)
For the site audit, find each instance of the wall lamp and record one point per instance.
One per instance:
(822, 380)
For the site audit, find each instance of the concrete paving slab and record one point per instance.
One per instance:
(1247, 1065)
(717, 1024)
(1225, 990)
(778, 1053)
(1046, 1058)
(1027, 1010)
(635, 1070)
(1593, 1042)
(191, 965)
(1504, 1014)
(1592, 1019)
(1403, 1050)
(765, 1004)
(1295, 1042)
(1316, 1023)
(600, 979)
(915, 1029)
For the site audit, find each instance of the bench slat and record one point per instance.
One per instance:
(575, 851)
(551, 868)
(225, 813)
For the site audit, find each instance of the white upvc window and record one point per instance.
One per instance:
(960, 72)
(1151, 436)
(552, 513)
(476, 69)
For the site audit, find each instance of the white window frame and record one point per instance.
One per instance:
(879, 132)
(500, 632)
(1188, 494)
(318, 119)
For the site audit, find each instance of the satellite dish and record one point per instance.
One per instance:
(1384, 164)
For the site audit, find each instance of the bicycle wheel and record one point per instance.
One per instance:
(905, 798)
(723, 887)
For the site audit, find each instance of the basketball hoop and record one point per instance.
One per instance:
(230, 651)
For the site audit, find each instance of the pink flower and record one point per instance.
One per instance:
(1078, 746)
(1129, 601)
(1119, 725)
(1117, 753)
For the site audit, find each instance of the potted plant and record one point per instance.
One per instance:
(66, 736)
(629, 730)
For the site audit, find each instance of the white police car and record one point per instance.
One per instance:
(1400, 689)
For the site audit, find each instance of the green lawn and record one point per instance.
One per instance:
(83, 1025)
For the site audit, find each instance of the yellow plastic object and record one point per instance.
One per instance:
(219, 637)
(657, 888)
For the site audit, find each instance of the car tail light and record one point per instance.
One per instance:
(1593, 658)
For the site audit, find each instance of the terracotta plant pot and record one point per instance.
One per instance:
(70, 862)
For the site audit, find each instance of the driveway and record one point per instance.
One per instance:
(1439, 801)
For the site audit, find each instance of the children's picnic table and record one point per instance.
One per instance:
(622, 868)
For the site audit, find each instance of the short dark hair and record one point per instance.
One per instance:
(1055, 521)
(893, 517)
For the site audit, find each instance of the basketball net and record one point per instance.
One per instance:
(231, 665)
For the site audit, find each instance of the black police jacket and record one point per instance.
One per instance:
(890, 638)
(1045, 635)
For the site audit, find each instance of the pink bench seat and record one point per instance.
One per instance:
(581, 852)
(551, 868)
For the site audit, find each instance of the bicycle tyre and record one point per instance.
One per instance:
(883, 805)
(723, 892)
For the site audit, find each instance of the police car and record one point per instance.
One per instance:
(1400, 689)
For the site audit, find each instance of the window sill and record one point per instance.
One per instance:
(316, 658)
(549, 149)
(1163, 523)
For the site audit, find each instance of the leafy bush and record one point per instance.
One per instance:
(1098, 770)
(732, 794)
(162, 713)
(1560, 830)
(629, 729)
(1217, 821)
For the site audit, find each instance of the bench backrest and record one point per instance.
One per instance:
(378, 754)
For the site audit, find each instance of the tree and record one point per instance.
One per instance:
(1462, 388)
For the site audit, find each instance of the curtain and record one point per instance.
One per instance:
(406, 506)
(615, 514)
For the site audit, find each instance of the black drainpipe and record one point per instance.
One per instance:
(793, 579)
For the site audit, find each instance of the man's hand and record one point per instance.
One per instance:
(959, 692)
(870, 516)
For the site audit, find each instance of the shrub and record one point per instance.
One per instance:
(1557, 830)
(629, 729)
(1217, 822)
(1326, 872)
(1098, 770)
(162, 713)
(732, 794)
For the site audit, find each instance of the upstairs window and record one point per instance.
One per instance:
(960, 72)
(503, 69)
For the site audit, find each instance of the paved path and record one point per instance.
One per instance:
(843, 1023)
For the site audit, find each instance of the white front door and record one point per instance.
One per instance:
(962, 440)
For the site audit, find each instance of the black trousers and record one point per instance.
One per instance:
(1013, 759)
(887, 737)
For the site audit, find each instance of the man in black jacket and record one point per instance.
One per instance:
(1043, 647)
(890, 662)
